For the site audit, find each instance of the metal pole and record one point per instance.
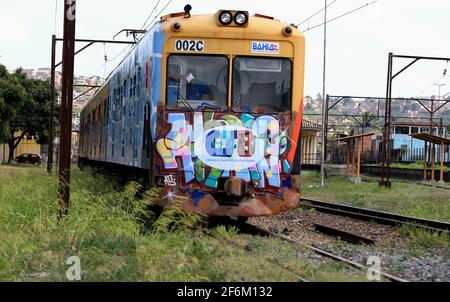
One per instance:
(322, 157)
(384, 145)
(388, 130)
(327, 105)
(52, 109)
(66, 107)
(431, 117)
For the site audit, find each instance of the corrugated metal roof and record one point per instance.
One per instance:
(355, 136)
(413, 123)
(310, 125)
(431, 138)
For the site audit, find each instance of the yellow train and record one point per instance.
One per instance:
(208, 107)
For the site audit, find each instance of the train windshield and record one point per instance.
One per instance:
(197, 82)
(262, 84)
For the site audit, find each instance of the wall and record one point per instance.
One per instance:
(25, 146)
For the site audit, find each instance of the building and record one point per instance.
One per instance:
(43, 74)
(29, 73)
(406, 148)
(310, 143)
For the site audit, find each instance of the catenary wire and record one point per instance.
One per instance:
(341, 16)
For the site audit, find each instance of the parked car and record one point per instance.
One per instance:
(29, 158)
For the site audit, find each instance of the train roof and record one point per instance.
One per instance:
(206, 25)
(259, 27)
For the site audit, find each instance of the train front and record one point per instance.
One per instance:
(228, 131)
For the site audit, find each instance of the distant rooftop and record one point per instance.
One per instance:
(310, 125)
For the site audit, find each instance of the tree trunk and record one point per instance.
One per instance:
(11, 151)
(13, 143)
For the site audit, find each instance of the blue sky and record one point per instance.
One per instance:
(358, 44)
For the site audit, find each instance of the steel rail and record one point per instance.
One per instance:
(260, 230)
(251, 229)
(344, 235)
(377, 216)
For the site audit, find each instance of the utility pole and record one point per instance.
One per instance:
(439, 85)
(432, 107)
(51, 109)
(66, 106)
(322, 153)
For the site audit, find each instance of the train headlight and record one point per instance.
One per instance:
(225, 18)
(241, 18)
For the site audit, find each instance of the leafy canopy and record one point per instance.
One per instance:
(23, 106)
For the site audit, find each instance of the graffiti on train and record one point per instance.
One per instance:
(208, 147)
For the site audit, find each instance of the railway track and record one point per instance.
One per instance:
(377, 216)
(256, 230)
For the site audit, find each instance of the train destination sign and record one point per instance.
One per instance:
(272, 48)
(190, 45)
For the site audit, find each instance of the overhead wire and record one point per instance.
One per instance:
(128, 46)
(443, 77)
(315, 14)
(150, 15)
(420, 94)
(153, 23)
(341, 16)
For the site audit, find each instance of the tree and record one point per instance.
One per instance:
(23, 110)
(319, 97)
(367, 118)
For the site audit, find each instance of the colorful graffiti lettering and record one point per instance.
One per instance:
(253, 148)
(169, 180)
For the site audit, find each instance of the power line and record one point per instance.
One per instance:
(149, 16)
(444, 77)
(321, 10)
(112, 60)
(123, 50)
(159, 14)
(341, 16)
(429, 87)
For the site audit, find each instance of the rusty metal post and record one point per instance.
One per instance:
(386, 133)
(433, 160)
(358, 168)
(66, 106)
(425, 167)
(353, 157)
(51, 109)
(347, 170)
(431, 116)
(388, 130)
(327, 105)
(322, 152)
(441, 178)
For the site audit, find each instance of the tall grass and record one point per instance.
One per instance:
(112, 230)
(118, 237)
(102, 227)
